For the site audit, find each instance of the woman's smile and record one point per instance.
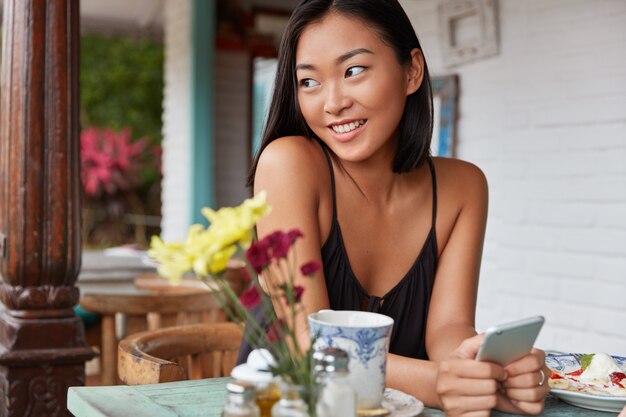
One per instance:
(346, 131)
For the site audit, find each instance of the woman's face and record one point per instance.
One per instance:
(351, 87)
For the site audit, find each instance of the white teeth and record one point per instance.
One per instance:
(345, 128)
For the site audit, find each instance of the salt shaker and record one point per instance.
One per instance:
(336, 396)
(240, 400)
(256, 370)
(291, 403)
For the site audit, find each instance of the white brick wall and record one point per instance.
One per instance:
(546, 121)
(176, 120)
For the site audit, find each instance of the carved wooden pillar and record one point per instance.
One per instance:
(42, 342)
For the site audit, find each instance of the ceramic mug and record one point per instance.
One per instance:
(365, 336)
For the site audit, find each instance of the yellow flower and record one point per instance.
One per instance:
(206, 251)
(232, 225)
(226, 227)
(172, 258)
(171, 271)
(254, 208)
(163, 252)
(219, 260)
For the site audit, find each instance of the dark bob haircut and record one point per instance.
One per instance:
(394, 28)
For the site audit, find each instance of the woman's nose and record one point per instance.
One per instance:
(336, 100)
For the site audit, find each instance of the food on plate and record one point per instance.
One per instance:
(599, 374)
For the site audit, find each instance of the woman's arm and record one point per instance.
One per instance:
(461, 221)
(464, 385)
(292, 171)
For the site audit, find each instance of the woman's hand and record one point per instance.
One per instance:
(526, 386)
(467, 387)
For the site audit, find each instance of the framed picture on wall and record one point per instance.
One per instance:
(445, 102)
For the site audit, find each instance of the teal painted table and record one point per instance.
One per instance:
(205, 398)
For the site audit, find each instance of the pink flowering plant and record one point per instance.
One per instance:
(114, 170)
(270, 268)
(110, 161)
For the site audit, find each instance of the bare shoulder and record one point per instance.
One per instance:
(294, 173)
(291, 151)
(290, 159)
(460, 181)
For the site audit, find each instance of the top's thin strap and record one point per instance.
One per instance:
(332, 180)
(434, 180)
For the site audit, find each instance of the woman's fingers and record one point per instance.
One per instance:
(532, 408)
(526, 385)
(526, 394)
(467, 387)
(470, 368)
(528, 380)
(532, 362)
(532, 386)
(464, 406)
(528, 374)
(519, 407)
(481, 413)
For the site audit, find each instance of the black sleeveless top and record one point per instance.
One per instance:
(406, 303)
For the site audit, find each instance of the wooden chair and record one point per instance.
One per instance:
(158, 304)
(179, 353)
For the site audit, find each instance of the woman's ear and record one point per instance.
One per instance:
(415, 71)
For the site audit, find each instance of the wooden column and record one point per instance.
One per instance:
(42, 342)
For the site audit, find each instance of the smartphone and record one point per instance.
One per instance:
(508, 342)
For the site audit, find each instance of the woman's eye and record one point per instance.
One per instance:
(308, 82)
(352, 71)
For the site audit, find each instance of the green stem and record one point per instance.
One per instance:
(224, 304)
(287, 278)
(258, 332)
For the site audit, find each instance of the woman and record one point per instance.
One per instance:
(345, 158)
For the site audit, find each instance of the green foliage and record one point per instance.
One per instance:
(585, 361)
(121, 84)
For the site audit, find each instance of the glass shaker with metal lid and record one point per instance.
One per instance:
(336, 397)
(241, 400)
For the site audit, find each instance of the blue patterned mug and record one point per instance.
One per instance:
(365, 336)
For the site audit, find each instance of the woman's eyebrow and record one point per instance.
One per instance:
(352, 53)
(339, 60)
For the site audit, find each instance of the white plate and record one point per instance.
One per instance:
(567, 363)
(401, 404)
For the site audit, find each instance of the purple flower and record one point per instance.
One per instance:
(289, 292)
(279, 244)
(310, 268)
(251, 298)
(294, 234)
(297, 292)
(245, 275)
(258, 255)
(278, 328)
